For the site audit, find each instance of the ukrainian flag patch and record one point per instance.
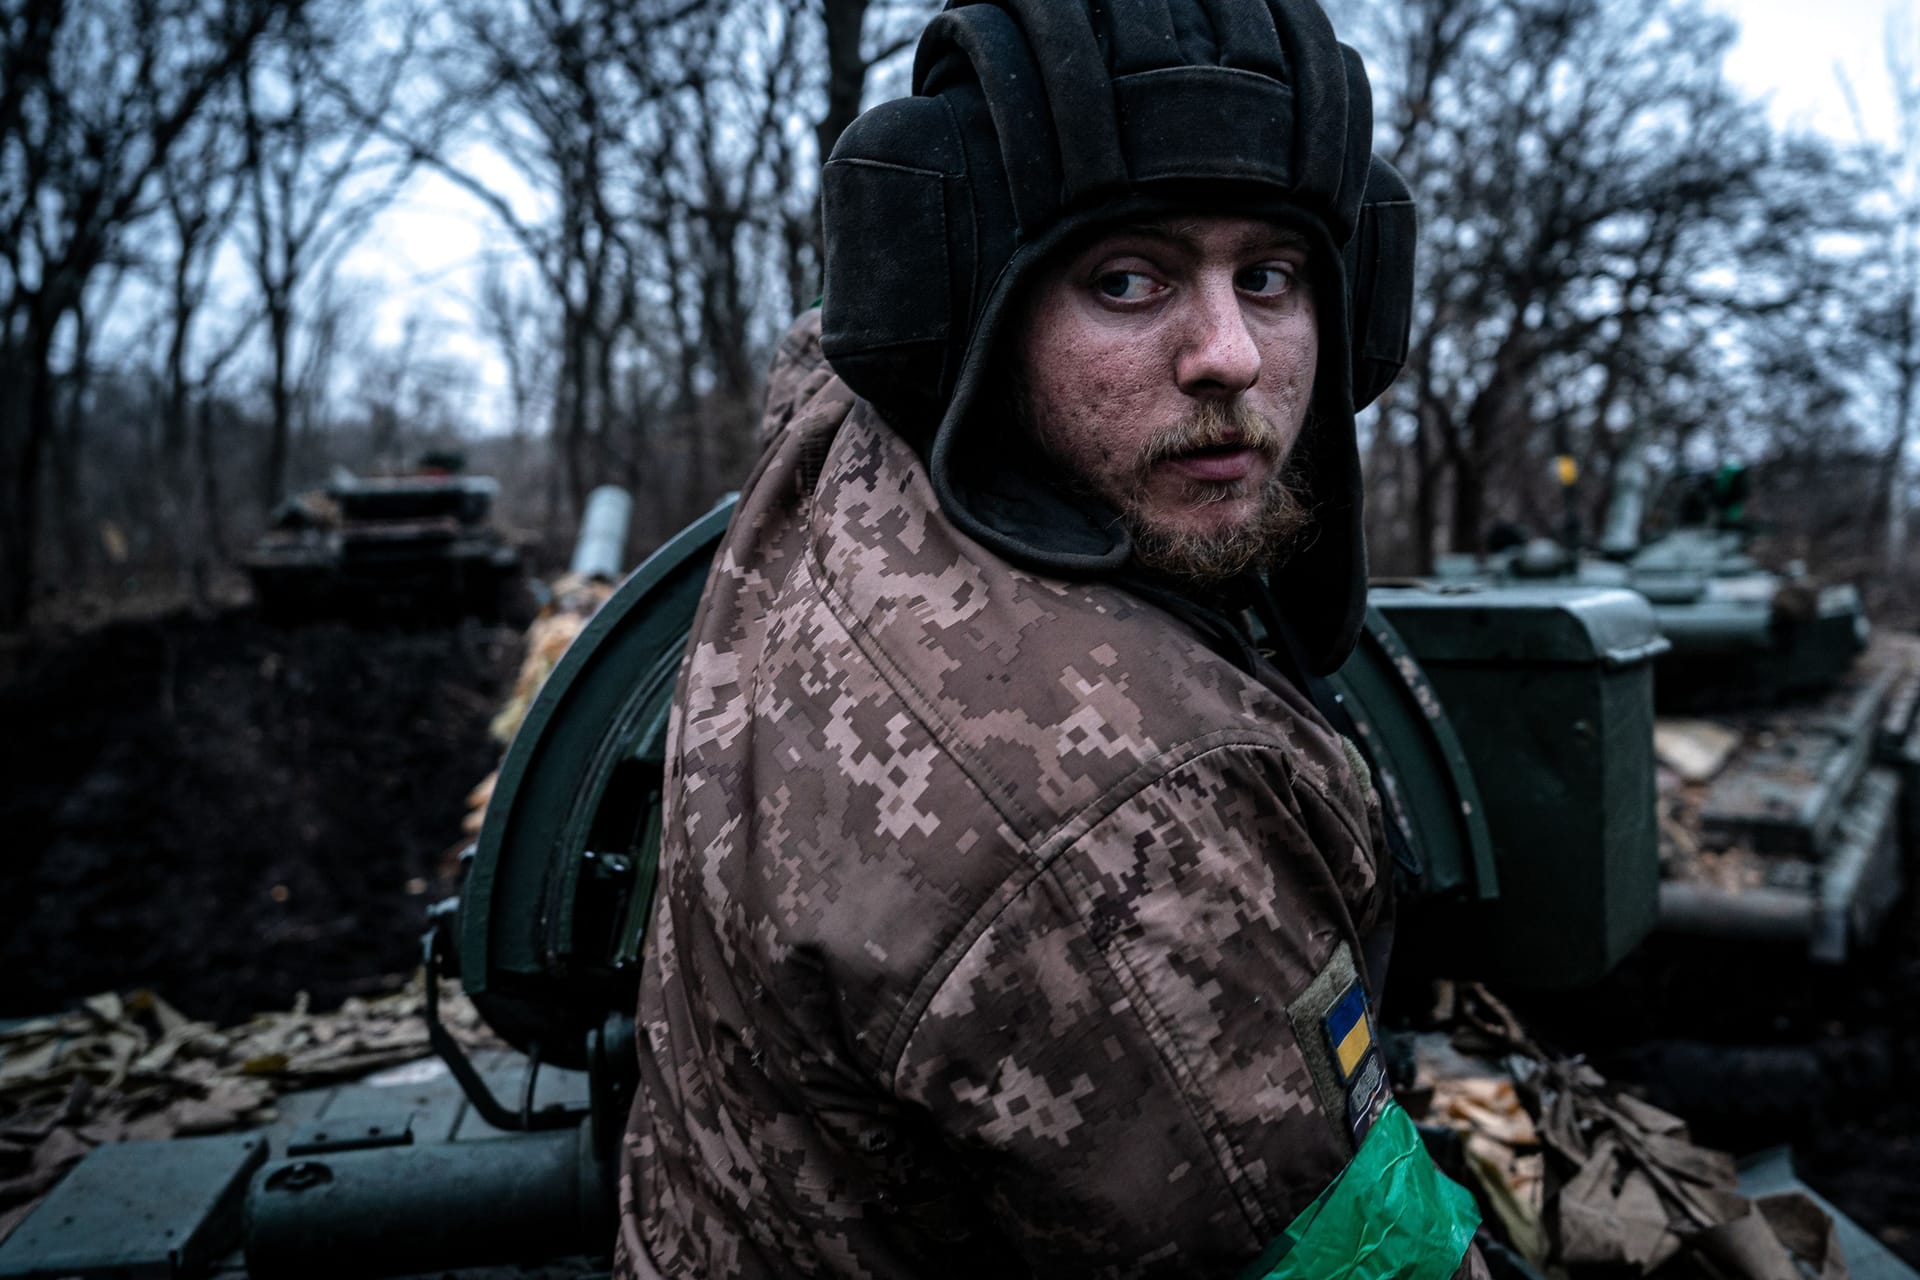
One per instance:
(1335, 1032)
(1363, 1079)
(1349, 1033)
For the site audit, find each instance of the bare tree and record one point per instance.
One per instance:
(200, 195)
(1598, 205)
(318, 171)
(543, 89)
(94, 99)
(74, 412)
(673, 209)
(859, 36)
(1889, 304)
(519, 328)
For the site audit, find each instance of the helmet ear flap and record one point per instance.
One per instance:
(892, 196)
(1379, 262)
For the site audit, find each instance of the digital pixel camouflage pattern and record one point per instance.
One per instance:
(983, 899)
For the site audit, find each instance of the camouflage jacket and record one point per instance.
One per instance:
(986, 904)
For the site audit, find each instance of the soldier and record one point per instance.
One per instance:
(1019, 912)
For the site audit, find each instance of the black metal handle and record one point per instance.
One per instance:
(435, 944)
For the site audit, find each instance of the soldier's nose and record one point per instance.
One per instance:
(1218, 358)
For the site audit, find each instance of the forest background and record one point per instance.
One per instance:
(1622, 255)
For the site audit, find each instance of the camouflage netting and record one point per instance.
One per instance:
(574, 601)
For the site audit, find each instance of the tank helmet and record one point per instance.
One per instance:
(1034, 122)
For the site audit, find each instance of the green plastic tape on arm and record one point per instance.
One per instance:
(1390, 1213)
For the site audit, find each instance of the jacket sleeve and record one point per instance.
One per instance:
(1114, 1057)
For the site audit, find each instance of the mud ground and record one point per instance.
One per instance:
(232, 812)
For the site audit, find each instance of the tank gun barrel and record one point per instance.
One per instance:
(601, 549)
(1627, 509)
(415, 1210)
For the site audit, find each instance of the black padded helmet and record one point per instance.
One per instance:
(1033, 122)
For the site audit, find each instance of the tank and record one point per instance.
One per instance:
(420, 543)
(509, 1160)
(1786, 736)
(1740, 635)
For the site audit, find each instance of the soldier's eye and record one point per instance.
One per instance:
(1124, 286)
(1269, 280)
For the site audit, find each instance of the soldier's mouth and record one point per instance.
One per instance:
(1216, 464)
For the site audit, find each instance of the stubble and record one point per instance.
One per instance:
(1282, 513)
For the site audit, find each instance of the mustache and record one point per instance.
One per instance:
(1212, 425)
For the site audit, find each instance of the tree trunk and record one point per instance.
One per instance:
(26, 423)
(274, 481)
(572, 407)
(67, 449)
(846, 84)
(846, 71)
(1426, 503)
(214, 549)
(173, 417)
(1469, 506)
(1894, 473)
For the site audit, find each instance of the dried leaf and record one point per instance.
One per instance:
(1746, 1247)
(135, 1069)
(1804, 1227)
(27, 1031)
(1647, 1116)
(1516, 1201)
(171, 1020)
(107, 1007)
(1611, 1214)
(31, 1063)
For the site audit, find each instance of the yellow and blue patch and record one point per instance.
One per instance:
(1340, 1046)
(1349, 1031)
(1363, 1078)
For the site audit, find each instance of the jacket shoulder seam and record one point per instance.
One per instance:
(1308, 795)
(1057, 863)
(1041, 843)
(1042, 855)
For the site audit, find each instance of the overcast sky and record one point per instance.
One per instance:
(422, 258)
(1790, 49)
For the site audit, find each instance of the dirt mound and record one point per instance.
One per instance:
(230, 812)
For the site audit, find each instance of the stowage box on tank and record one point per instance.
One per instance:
(1550, 692)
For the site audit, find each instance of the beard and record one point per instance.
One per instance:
(1278, 526)
(1281, 525)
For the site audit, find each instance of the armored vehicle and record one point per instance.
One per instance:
(1790, 757)
(1488, 716)
(1740, 635)
(375, 545)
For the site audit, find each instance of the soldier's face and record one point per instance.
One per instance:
(1167, 368)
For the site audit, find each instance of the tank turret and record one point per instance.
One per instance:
(420, 543)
